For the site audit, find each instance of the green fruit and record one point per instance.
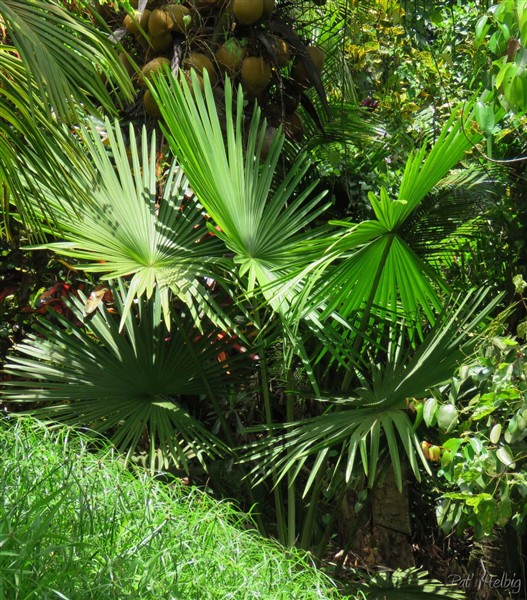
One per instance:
(248, 12)
(126, 62)
(153, 66)
(435, 453)
(188, 77)
(137, 21)
(255, 75)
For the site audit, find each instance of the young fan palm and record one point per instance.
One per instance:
(139, 386)
(261, 237)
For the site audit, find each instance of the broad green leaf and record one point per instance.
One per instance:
(506, 75)
(495, 433)
(429, 411)
(482, 27)
(505, 456)
(519, 284)
(447, 417)
(476, 444)
(485, 116)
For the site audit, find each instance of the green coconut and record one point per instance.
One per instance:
(255, 75)
(199, 62)
(127, 63)
(247, 12)
(155, 65)
(135, 22)
(270, 134)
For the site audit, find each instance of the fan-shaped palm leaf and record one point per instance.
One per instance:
(372, 263)
(126, 385)
(262, 226)
(378, 407)
(51, 73)
(33, 146)
(127, 229)
(65, 56)
(411, 584)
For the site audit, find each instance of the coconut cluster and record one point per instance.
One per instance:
(248, 40)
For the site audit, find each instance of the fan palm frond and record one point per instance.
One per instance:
(133, 386)
(33, 147)
(50, 74)
(373, 263)
(128, 230)
(410, 584)
(259, 223)
(65, 55)
(377, 410)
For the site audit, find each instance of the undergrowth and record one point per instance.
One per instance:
(76, 525)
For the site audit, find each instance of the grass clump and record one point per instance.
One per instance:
(74, 524)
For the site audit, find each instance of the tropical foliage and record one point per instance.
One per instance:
(223, 312)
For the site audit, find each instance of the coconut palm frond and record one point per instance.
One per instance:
(65, 55)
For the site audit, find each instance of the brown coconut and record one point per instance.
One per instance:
(282, 54)
(230, 56)
(188, 77)
(270, 134)
(177, 13)
(255, 75)
(159, 23)
(247, 12)
(293, 127)
(127, 63)
(268, 7)
(151, 106)
(162, 42)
